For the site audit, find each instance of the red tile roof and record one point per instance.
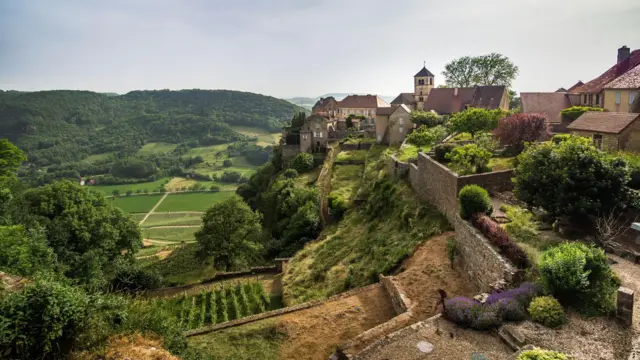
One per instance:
(596, 85)
(549, 104)
(362, 102)
(630, 80)
(576, 87)
(603, 122)
(446, 101)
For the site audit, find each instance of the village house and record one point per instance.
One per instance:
(327, 107)
(392, 124)
(610, 131)
(314, 135)
(620, 94)
(359, 105)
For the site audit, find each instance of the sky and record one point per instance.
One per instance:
(287, 48)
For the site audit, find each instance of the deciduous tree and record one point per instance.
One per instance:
(490, 69)
(517, 129)
(476, 120)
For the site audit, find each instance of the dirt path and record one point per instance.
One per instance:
(428, 270)
(154, 207)
(174, 226)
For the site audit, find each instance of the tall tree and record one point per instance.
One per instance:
(230, 233)
(10, 158)
(490, 69)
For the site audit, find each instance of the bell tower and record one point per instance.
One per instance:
(422, 85)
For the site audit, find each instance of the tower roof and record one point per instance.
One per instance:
(423, 72)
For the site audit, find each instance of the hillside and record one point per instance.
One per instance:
(54, 127)
(308, 102)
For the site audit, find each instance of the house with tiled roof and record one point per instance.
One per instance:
(621, 93)
(327, 107)
(452, 100)
(364, 105)
(610, 131)
(406, 99)
(550, 104)
(392, 124)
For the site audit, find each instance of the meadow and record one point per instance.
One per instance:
(345, 181)
(265, 138)
(108, 189)
(136, 203)
(177, 234)
(157, 147)
(192, 201)
(172, 219)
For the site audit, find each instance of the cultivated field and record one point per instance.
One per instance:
(176, 234)
(264, 137)
(157, 147)
(172, 219)
(192, 201)
(136, 203)
(108, 189)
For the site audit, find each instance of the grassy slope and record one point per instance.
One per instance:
(157, 147)
(265, 138)
(353, 252)
(345, 181)
(136, 203)
(170, 234)
(192, 201)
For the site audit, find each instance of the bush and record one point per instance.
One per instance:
(227, 163)
(442, 150)
(467, 312)
(337, 207)
(302, 163)
(452, 249)
(424, 136)
(426, 118)
(522, 225)
(499, 237)
(130, 276)
(290, 174)
(575, 112)
(540, 354)
(558, 138)
(547, 311)
(469, 159)
(473, 200)
(518, 129)
(579, 275)
(475, 120)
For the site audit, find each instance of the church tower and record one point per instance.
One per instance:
(422, 84)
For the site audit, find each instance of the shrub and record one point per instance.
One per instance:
(499, 238)
(469, 159)
(473, 200)
(547, 311)
(518, 129)
(302, 163)
(130, 276)
(461, 310)
(540, 354)
(579, 275)
(227, 163)
(337, 207)
(290, 174)
(475, 120)
(486, 141)
(424, 136)
(452, 248)
(522, 294)
(487, 316)
(575, 112)
(426, 118)
(442, 150)
(558, 138)
(522, 226)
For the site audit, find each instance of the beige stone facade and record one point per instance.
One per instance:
(392, 125)
(314, 135)
(619, 100)
(628, 139)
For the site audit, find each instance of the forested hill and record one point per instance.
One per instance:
(54, 127)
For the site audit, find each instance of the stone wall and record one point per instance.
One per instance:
(413, 175)
(493, 182)
(398, 168)
(289, 151)
(624, 311)
(437, 185)
(399, 299)
(481, 260)
(358, 146)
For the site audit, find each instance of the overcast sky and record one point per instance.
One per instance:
(290, 48)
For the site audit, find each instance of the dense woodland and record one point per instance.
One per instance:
(59, 129)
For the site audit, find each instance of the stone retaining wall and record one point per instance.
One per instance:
(358, 146)
(219, 276)
(399, 299)
(398, 168)
(289, 151)
(349, 162)
(270, 314)
(413, 175)
(493, 182)
(481, 260)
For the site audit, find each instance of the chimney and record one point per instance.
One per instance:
(623, 54)
(455, 91)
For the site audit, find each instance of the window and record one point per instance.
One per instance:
(618, 95)
(631, 97)
(421, 82)
(401, 121)
(317, 134)
(597, 99)
(420, 99)
(304, 137)
(585, 98)
(597, 141)
(590, 99)
(431, 81)
(401, 129)
(420, 92)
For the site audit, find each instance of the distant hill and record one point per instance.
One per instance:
(309, 102)
(55, 127)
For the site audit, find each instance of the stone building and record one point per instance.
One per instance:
(621, 93)
(610, 131)
(393, 124)
(452, 100)
(327, 107)
(360, 105)
(406, 99)
(422, 86)
(314, 135)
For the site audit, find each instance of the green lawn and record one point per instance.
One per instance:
(264, 137)
(138, 217)
(500, 164)
(136, 203)
(172, 219)
(157, 147)
(108, 189)
(260, 340)
(410, 151)
(352, 155)
(170, 234)
(345, 180)
(192, 201)
(210, 153)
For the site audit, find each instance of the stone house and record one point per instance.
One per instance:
(422, 86)
(620, 94)
(314, 134)
(393, 124)
(452, 100)
(406, 99)
(327, 107)
(364, 105)
(550, 105)
(610, 131)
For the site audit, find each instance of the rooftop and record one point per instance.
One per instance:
(603, 122)
(362, 102)
(630, 80)
(596, 85)
(549, 104)
(423, 72)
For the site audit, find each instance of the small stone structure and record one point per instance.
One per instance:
(289, 151)
(281, 264)
(481, 260)
(399, 299)
(359, 146)
(624, 311)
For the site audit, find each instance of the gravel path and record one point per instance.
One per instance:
(152, 210)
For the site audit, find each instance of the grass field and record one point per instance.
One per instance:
(136, 203)
(97, 157)
(138, 217)
(157, 147)
(353, 155)
(265, 138)
(192, 201)
(500, 164)
(170, 234)
(345, 180)
(172, 219)
(108, 189)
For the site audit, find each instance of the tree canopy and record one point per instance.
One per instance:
(490, 69)
(476, 120)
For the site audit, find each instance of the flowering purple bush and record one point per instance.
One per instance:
(523, 294)
(511, 310)
(486, 316)
(461, 310)
(499, 238)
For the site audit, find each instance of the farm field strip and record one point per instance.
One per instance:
(174, 234)
(136, 204)
(154, 207)
(173, 219)
(193, 201)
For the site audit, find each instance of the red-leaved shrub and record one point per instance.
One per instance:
(500, 239)
(517, 129)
